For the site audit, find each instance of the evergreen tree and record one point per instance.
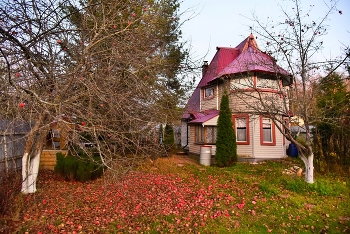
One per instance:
(110, 67)
(331, 139)
(226, 147)
(168, 136)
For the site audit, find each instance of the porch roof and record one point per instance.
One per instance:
(201, 117)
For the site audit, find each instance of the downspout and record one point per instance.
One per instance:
(217, 96)
(282, 145)
(186, 134)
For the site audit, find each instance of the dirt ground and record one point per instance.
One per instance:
(184, 159)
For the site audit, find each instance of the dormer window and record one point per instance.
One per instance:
(208, 92)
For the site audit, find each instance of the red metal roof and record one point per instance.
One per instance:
(252, 59)
(246, 56)
(201, 117)
(221, 59)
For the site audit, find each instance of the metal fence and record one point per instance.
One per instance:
(12, 143)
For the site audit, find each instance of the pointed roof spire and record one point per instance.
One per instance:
(248, 42)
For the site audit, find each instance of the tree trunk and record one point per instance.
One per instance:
(6, 153)
(309, 167)
(31, 156)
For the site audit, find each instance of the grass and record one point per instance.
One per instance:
(177, 195)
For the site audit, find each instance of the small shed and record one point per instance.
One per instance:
(56, 141)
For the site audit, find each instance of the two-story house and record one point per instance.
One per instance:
(257, 89)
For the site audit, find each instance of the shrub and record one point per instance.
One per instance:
(84, 171)
(59, 167)
(226, 146)
(80, 167)
(168, 135)
(70, 167)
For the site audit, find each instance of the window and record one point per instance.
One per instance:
(241, 124)
(53, 139)
(210, 134)
(242, 83)
(241, 127)
(199, 134)
(209, 92)
(267, 83)
(267, 131)
(205, 134)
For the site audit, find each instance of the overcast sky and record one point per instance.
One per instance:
(225, 23)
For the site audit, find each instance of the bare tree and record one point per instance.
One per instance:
(294, 42)
(108, 70)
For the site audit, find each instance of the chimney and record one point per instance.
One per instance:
(204, 68)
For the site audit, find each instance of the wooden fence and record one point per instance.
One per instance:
(12, 143)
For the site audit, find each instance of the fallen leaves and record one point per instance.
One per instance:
(76, 207)
(152, 202)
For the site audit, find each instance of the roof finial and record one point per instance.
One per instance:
(251, 30)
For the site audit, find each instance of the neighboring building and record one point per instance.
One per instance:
(56, 141)
(251, 77)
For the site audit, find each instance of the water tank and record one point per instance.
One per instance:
(205, 155)
(292, 151)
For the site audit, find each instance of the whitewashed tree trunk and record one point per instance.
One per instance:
(30, 170)
(31, 156)
(309, 168)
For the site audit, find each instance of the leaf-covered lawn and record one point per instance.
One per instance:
(185, 198)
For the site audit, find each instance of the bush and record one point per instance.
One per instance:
(84, 171)
(226, 146)
(169, 135)
(59, 167)
(80, 167)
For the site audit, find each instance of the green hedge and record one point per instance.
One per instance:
(80, 167)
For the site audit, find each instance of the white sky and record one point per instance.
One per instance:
(225, 23)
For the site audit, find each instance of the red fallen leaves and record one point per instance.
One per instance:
(241, 205)
(138, 196)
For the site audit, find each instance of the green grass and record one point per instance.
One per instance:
(291, 206)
